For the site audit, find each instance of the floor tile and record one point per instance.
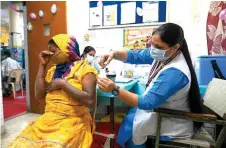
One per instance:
(6, 141)
(7, 133)
(19, 123)
(14, 126)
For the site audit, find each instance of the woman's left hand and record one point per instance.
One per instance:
(106, 85)
(55, 85)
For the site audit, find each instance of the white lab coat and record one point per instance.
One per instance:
(8, 65)
(145, 121)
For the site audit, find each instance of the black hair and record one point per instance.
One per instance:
(7, 53)
(87, 49)
(52, 42)
(173, 34)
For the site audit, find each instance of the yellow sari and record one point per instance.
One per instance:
(66, 123)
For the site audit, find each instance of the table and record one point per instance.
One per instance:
(127, 86)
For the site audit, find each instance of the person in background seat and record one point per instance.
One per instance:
(7, 65)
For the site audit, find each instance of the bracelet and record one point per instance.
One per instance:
(39, 77)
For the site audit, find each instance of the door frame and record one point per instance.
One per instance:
(26, 58)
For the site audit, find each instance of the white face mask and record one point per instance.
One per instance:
(158, 54)
(89, 58)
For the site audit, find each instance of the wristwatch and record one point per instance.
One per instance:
(115, 91)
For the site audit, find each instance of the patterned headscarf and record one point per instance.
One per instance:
(70, 48)
(68, 45)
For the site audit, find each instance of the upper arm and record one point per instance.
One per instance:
(88, 78)
(167, 84)
(139, 57)
(89, 84)
(19, 66)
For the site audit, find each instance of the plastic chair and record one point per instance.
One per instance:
(17, 74)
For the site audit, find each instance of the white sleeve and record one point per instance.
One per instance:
(18, 65)
(3, 65)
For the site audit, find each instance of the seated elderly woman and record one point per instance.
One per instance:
(70, 90)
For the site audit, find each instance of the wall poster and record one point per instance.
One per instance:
(139, 38)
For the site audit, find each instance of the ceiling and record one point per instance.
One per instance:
(4, 13)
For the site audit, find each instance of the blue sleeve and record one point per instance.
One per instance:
(139, 57)
(167, 84)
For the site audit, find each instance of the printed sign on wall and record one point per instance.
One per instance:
(135, 39)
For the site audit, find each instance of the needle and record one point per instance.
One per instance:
(105, 65)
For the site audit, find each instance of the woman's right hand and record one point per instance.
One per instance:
(44, 57)
(106, 59)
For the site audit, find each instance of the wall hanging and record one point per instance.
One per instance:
(128, 12)
(139, 11)
(40, 13)
(29, 26)
(99, 4)
(110, 15)
(33, 16)
(54, 9)
(86, 37)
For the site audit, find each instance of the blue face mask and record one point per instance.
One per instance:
(158, 54)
